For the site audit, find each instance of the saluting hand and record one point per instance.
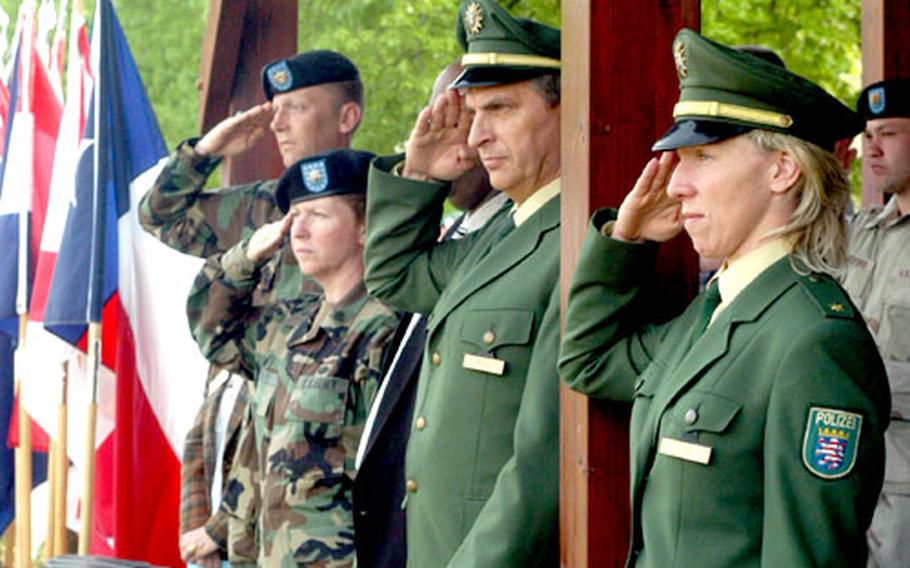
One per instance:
(648, 213)
(267, 238)
(438, 145)
(236, 134)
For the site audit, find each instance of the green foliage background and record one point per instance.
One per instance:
(400, 45)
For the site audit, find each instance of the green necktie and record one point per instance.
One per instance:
(712, 300)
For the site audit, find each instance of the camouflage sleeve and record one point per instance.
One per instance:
(220, 310)
(241, 501)
(179, 212)
(381, 323)
(194, 490)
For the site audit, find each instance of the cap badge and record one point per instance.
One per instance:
(679, 56)
(473, 19)
(279, 76)
(315, 176)
(877, 100)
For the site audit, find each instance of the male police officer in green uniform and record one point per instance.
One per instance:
(758, 414)
(482, 459)
(878, 280)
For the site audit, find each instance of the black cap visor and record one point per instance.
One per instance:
(498, 75)
(692, 132)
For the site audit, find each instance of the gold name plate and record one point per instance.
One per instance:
(684, 450)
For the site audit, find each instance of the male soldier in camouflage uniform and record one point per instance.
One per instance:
(315, 104)
(878, 280)
(316, 366)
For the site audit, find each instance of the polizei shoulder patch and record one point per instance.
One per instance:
(831, 441)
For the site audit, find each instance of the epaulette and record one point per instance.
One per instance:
(828, 295)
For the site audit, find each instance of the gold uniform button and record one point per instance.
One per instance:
(411, 486)
(421, 423)
(436, 358)
(489, 337)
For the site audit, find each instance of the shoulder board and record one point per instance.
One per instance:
(828, 295)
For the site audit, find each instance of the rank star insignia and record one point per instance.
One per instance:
(473, 19)
(679, 56)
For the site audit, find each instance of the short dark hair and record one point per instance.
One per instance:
(348, 92)
(548, 85)
(358, 204)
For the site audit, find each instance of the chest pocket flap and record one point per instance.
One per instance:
(491, 329)
(318, 399)
(712, 413)
(266, 383)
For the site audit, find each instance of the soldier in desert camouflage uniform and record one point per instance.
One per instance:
(315, 364)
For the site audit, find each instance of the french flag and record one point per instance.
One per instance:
(108, 271)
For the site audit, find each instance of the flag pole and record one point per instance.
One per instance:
(88, 473)
(23, 452)
(48, 551)
(95, 280)
(23, 459)
(62, 469)
(9, 539)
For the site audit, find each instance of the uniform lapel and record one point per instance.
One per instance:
(511, 250)
(715, 342)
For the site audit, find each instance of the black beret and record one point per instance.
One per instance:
(885, 99)
(336, 172)
(307, 70)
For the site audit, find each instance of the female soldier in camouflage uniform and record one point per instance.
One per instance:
(315, 364)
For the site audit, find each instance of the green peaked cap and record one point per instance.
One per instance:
(500, 48)
(725, 92)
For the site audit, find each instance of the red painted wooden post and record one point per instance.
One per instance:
(619, 86)
(241, 37)
(886, 51)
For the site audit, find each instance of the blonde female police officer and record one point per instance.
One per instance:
(756, 434)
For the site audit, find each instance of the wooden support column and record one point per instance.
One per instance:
(886, 51)
(618, 89)
(242, 36)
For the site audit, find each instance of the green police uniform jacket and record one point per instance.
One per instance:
(317, 369)
(787, 348)
(483, 457)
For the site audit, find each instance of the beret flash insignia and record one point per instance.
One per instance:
(877, 100)
(279, 76)
(315, 176)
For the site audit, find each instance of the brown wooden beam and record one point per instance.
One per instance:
(619, 86)
(886, 51)
(241, 37)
